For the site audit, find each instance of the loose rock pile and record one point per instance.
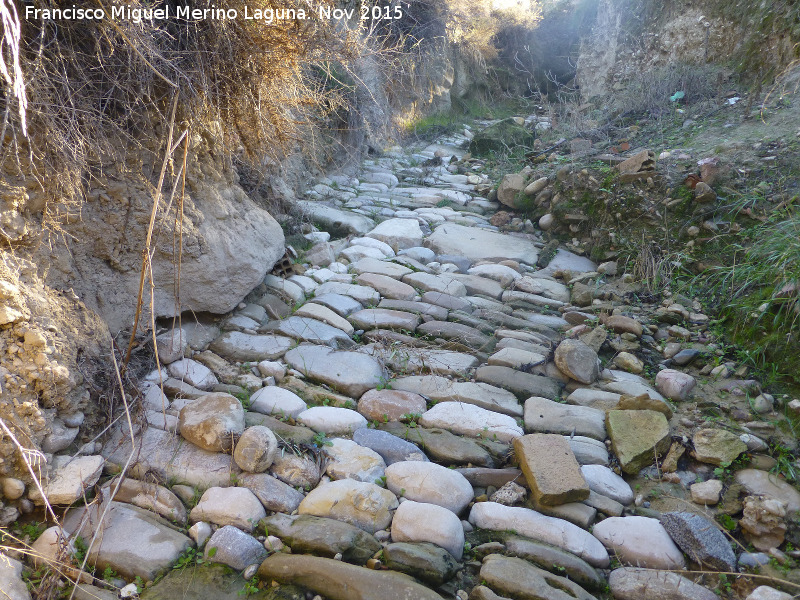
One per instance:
(427, 412)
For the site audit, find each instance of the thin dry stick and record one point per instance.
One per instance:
(121, 477)
(148, 240)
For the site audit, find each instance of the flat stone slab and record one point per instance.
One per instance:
(769, 484)
(552, 558)
(639, 542)
(391, 448)
(68, 479)
(311, 330)
(422, 522)
(518, 578)
(236, 506)
(534, 525)
(387, 287)
(550, 468)
(597, 399)
(436, 283)
(398, 233)
(312, 310)
(325, 537)
(441, 445)
(630, 583)
(273, 493)
(338, 303)
(471, 420)
(332, 419)
(380, 267)
(588, 451)
(637, 436)
(522, 385)
(455, 332)
(478, 244)
(383, 318)
(390, 405)
(429, 483)
(604, 481)
(340, 581)
(334, 220)
(423, 360)
(352, 373)
(479, 286)
(442, 389)
(514, 358)
(360, 293)
(245, 347)
(421, 308)
(169, 458)
(546, 416)
(134, 542)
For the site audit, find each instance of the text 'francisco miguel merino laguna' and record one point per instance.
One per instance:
(138, 14)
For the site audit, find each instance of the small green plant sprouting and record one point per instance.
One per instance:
(727, 521)
(410, 418)
(384, 384)
(139, 582)
(109, 574)
(244, 398)
(250, 587)
(192, 557)
(381, 481)
(320, 440)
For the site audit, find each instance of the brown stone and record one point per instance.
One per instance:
(390, 405)
(622, 324)
(670, 462)
(644, 402)
(550, 468)
(644, 161)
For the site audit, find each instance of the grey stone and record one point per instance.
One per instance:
(273, 493)
(532, 524)
(700, 539)
(338, 222)
(380, 267)
(382, 318)
(436, 283)
(69, 479)
(362, 504)
(234, 548)
(422, 308)
(471, 420)
(523, 385)
(422, 522)
(351, 373)
(551, 558)
(229, 506)
(546, 416)
(341, 305)
(429, 483)
(168, 457)
(361, 293)
(447, 301)
(424, 561)
(390, 447)
(476, 244)
(311, 330)
(639, 541)
(630, 583)
(521, 580)
(442, 389)
(341, 581)
(441, 445)
(325, 537)
(11, 583)
(134, 541)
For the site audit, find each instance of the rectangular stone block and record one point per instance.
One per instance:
(551, 469)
